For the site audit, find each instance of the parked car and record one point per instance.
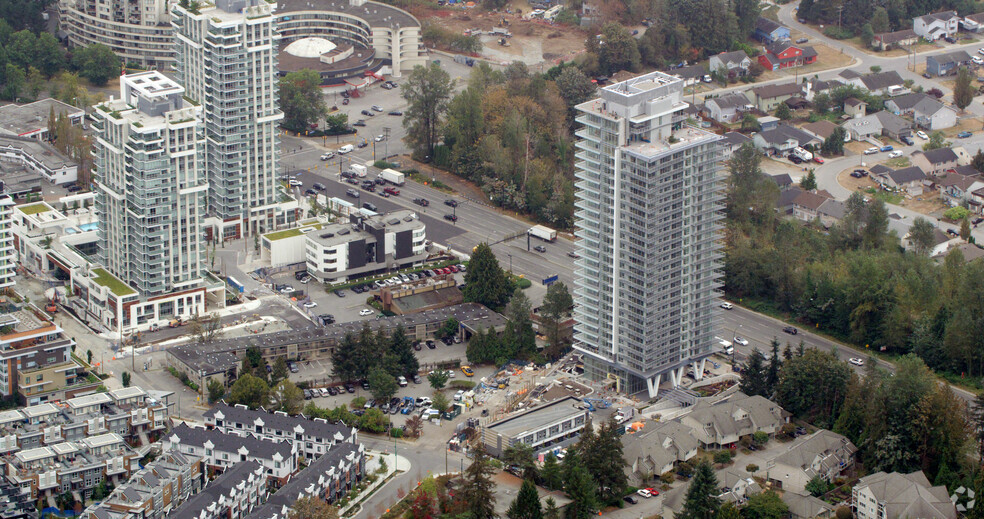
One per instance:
(922, 135)
(630, 500)
(818, 159)
(857, 361)
(794, 159)
(468, 371)
(802, 40)
(377, 108)
(644, 493)
(451, 203)
(396, 113)
(573, 254)
(310, 304)
(421, 202)
(365, 311)
(871, 151)
(895, 154)
(360, 122)
(906, 139)
(964, 135)
(888, 147)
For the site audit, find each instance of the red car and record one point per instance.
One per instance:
(453, 268)
(653, 491)
(817, 159)
(392, 190)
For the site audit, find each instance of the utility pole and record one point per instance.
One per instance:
(386, 134)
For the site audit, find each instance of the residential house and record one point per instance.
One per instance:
(796, 103)
(783, 180)
(855, 107)
(956, 189)
(970, 252)
(806, 206)
(732, 141)
(899, 496)
(824, 453)
(934, 26)
(893, 40)
(908, 180)
(728, 108)
(768, 97)
(691, 75)
(876, 125)
(220, 451)
(831, 212)
(736, 485)
(946, 63)
(973, 22)
(733, 63)
(768, 122)
(770, 31)
(931, 114)
(935, 162)
(805, 506)
(820, 129)
(784, 205)
(878, 83)
(906, 103)
(232, 495)
(783, 138)
(656, 449)
(816, 86)
(723, 423)
(784, 54)
(327, 478)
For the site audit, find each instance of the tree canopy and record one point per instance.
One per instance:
(301, 100)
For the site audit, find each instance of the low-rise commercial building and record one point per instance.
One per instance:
(31, 120)
(366, 245)
(553, 424)
(39, 157)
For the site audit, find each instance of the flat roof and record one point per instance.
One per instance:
(686, 136)
(376, 14)
(102, 440)
(64, 448)
(89, 400)
(127, 392)
(30, 455)
(12, 415)
(339, 233)
(31, 117)
(46, 154)
(296, 231)
(39, 410)
(102, 277)
(537, 417)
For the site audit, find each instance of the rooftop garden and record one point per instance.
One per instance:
(117, 287)
(34, 208)
(289, 233)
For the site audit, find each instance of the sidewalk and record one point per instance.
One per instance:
(394, 464)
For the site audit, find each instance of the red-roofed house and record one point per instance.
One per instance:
(784, 54)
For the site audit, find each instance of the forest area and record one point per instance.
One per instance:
(856, 17)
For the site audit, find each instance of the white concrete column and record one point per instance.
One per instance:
(674, 379)
(699, 368)
(653, 385)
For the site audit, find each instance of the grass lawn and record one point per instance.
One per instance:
(110, 281)
(884, 196)
(34, 208)
(287, 233)
(898, 162)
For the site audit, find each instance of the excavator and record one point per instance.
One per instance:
(52, 305)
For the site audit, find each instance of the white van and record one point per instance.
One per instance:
(348, 148)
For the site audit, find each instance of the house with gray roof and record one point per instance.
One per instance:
(232, 495)
(935, 162)
(877, 125)
(947, 63)
(783, 138)
(824, 453)
(768, 31)
(908, 180)
(783, 180)
(656, 449)
(728, 108)
(736, 486)
(805, 506)
(733, 63)
(220, 450)
(831, 212)
(934, 26)
(904, 104)
(312, 438)
(890, 40)
(718, 424)
(956, 189)
(768, 97)
(899, 496)
(732, 141)
(806, 205)
(691, 74)
(926, 111)
(877, 82)
(784, 205)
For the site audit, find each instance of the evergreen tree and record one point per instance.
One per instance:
(809, 182)
(551, 474)
(787, 352)
(280, 370)
(701, 501)
(579, 487)
(527, 503)
(754, 378)
(775, 363)
(400, 347)
(606, 464)
(977, 423)
(522, 456)
(342, 358)
(485, 282)
(963, 90)
(801, 349)
(477, 494)
(551, 511)
(519, 334)
(783, 112)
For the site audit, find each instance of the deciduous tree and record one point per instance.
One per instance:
(382, 385)
(301, 100)
(427, 92)
(921, 236)
(250, 391)
(215, 391)
(287, 397)
(765, 505)
(438, 379)
(312, 507)
(97, 63)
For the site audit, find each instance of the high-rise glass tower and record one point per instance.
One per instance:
(226, 57)
(150, 173)
(648, 211)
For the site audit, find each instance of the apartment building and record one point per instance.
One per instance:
(365, 245)
(311, 438)
(130, 413)
(897, 496)
(136, 30)
(232, 495)
(328, 478)
(154, 490)
(7, 265)
(36, 357)
(226, 58)
(150, 172)
(70, 466)
(220, 451)
(648, 201)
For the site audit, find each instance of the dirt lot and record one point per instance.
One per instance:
(926, 203)
(532, 42)
(780, 166)
(845, 179)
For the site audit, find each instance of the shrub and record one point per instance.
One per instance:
(358, 402)
(956, 213)
(524, 283)
(844, 512)
(838, 33)
(760, 438)
(788, 430)
(722, 457)
(396, 432)
(461, 384)
(751, 467)
(666, 477)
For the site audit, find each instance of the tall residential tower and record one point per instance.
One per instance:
(226, 57)
(150, 173)
(648, 207)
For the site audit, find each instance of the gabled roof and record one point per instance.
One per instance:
(957, 56)
(907, 102)
(806, 506)
(819, 85)
(906, 175)
(849, 74)
(941, 16)
(735, 139)
(879, 169)
(718, 419)
(939, 155)
(784, 132)
(766, 25)
(782, 89)
(881, 80)
(822, 128)
(222, 442)
(961, 182)
(736, 57)
(853, 101)
(967, 171)
(824, 448)
(976, 17)
(316, 428)
(811, 201)
(691, 72)
(892, 122)
(889, 38)
(787, 197)
(659, 444)
(929, 106)
(833, 208)
(875, 123)
(909, 495)
(782, 179)
(732, 100)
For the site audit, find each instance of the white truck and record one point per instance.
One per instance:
(392, 176)
(544, 233)
(802, 154)
(359, 170)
